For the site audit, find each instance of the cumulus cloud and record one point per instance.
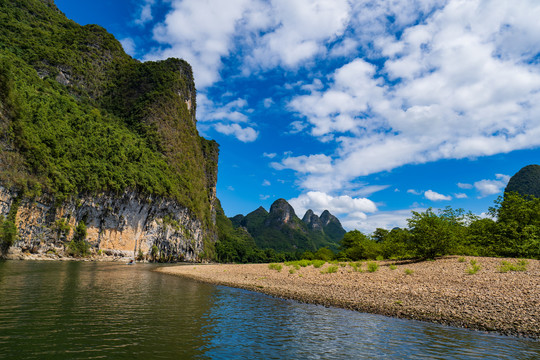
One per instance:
(464, 186)
(268, 33)
(311, 164)
(269, 155)
(266, 183)
(491, 187)
(461, 196)
(129, 45)
(434, 196)
(465, 84)
(145, 13)
(414, 192)
(244, 134)
(384, 219)
(319, 201)
(226, 118)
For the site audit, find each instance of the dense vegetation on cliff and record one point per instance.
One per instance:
(78, 115)
(525, 182)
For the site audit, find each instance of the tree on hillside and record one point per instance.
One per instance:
(434, 235)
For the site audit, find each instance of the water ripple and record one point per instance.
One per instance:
(93, 311)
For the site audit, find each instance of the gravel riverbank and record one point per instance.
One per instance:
(439, 291)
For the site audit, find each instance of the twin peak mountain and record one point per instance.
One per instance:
(282, 230)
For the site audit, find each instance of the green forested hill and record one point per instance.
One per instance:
(281, 230)
(77, 114)
(526, 181)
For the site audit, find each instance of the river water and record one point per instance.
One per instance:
(85, 310)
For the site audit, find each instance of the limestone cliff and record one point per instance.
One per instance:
(89, 134)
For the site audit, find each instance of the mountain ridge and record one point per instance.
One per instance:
(282, 230)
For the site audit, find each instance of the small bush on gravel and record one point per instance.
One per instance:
(461, 259)
(393, 267)
(408, 272)
(292, 271)
(372, 266)
(277, 267)
(474, 267)
(507, 266)
(330, 270)
(318, 263)
(357, 267)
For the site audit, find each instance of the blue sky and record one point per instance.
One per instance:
(367, 108)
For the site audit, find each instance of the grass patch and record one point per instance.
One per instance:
(392, 267)
(409, 272)
(372, 266)
(507, 266)
(318, 263)
(473, 269)
(292, 271)
(357, 267)
(330, 270)
(276, 267)
(461, 259)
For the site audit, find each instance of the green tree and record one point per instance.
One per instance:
(355, 246)
(78, 246)
(433, 235)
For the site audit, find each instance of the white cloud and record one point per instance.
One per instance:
(461, 196)
(464, 87)
(269, 155)
(384, 219)
(129, 46)
(244, 134)
(266, 183)
(268, 102)
(298, 31)
(465, 186)
(319, 201)
(414, 192)
(264, 197)
(201, 32)
(434, 196)
(491, 187)
(370, 189)
(303, 164)
(226, 118)
(145, 14)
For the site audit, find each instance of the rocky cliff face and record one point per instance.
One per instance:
(117, 225)
(89, 134)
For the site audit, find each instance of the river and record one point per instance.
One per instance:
(91, 310)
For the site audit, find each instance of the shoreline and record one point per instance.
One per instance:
(440, 291)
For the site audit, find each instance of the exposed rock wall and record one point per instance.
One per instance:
(116, 225)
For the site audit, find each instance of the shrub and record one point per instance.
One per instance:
(372, 266)
(318, 263)
(474, 267)
(276, 267)
(508, 266)
(330, 270)
(78, 246)
(408, 272)
(393, 267)
(357, 267)
(461, 259)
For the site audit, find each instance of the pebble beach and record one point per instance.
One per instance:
(442, 291)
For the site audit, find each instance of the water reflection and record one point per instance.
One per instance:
(94, 310)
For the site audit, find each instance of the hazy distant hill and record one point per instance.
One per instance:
(282, 230)
(526, 181)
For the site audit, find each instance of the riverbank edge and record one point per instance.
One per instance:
(461, 320)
